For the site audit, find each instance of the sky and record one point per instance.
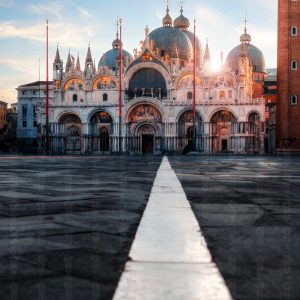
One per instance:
(74, 24)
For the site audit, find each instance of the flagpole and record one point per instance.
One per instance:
(120, 89)
(194, 89)
(47, 92)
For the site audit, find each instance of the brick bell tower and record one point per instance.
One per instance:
(288, 109)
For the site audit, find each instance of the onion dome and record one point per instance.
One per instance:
(167, 20)
(255, 55)
(182, 22)
(245, 37)
(163, 39)
(110, 58)
(116, 42)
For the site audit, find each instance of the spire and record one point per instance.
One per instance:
(94, 67)
(78, 64)
(206, 58)
(175, 49)
(167, 20)
(206, 53)
(116, 42)
(245, 37)
(69, 62)
(57, 59)
(89, 55)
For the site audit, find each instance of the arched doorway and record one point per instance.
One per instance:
(187, 132)
(73, 129)
(224, 139)
(144, 126)
(147, 136)
(254, 130)
(104, 139)
(221, 125)
(100, 131)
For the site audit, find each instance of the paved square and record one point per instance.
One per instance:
(67, 223)
(249, 212)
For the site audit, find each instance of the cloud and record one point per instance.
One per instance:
(84, 13)
(7, 3)
(68, 34)
(53, 9)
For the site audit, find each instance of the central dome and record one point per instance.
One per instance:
(165, 38)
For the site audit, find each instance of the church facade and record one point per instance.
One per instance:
(157, 95)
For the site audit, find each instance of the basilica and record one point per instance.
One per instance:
(157, 97)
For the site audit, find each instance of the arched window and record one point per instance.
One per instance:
(222, 95)
(294, 99)
(189, 95)
(182, 64)
(294, 65)
(294, 31)
(105, 97)
(75, 98)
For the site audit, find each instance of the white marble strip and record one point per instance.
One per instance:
(169, 258)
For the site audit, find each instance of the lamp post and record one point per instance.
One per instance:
(120, 88)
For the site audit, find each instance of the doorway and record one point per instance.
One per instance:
(104, 139)
(147, 143)
(224, 145)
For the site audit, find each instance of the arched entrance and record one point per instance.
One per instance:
(221, 125)
(144, 125)
(100, 131)
(147, 137)
(187, 132)
(253, 142)
(73, 129)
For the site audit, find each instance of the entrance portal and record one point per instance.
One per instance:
(147, 144)
(224, 146)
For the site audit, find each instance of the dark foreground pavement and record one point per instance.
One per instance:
(67, 224)
(249, 212)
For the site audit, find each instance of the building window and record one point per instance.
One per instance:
(23, 92)
(24, 124)
(294, 65)
(105, 97)
(294, 31)
(229, 94)
(34, 92)
(34, 112)
(294, 99)
(222, 95)
(75, 98)
(24, 111)
(34, 123)
(189, 95)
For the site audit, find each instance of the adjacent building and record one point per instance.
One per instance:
(3, 121)
(31, 98)
(288, 78)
